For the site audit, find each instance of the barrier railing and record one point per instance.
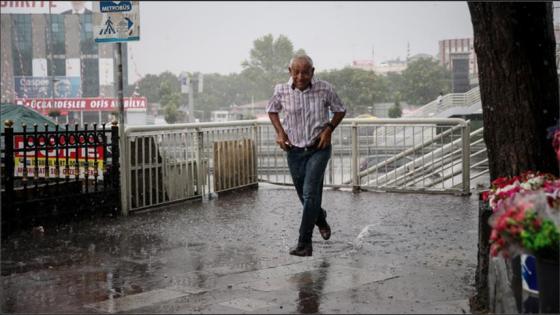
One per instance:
(177, 162)
(448, 101)
(403, 154)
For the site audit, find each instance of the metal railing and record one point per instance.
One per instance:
(448, 101)
(182, 161)
(178, 162)
(385, 154)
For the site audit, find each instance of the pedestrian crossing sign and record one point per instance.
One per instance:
(116, 21)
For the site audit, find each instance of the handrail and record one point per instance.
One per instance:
(190, 160)
(404, 153)
(347, 121)
(448, 101)
(389, 177)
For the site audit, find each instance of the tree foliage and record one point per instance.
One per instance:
(270, 57)
(395, 111)
(150, 85)
(170, 101)
(267, 66)
(357, 88)
(423, 80)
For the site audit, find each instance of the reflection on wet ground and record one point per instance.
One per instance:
(310, 288)
(388, 253)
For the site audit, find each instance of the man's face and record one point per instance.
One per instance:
(302, 73)
(78, 5)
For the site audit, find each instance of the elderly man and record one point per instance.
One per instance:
(306, 137)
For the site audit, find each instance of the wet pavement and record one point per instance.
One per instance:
(388, 253)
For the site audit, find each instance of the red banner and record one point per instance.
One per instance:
(76, 160)
(91, 152)
(93, 104)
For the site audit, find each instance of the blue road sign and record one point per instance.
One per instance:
(115, 6)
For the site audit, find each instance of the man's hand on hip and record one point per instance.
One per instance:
(324, 138)
(283, 141)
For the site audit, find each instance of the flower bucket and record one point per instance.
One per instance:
(529, 273)
(548, 279)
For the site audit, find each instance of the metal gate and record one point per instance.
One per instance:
(56, 174)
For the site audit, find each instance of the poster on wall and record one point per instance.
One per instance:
(83, 160)
(43, 87)
(45, 7)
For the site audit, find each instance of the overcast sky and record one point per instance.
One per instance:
(215, 37)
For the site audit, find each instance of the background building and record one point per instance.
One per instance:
(382, 68)
(395, 65)
(48, 52)
(460, 52)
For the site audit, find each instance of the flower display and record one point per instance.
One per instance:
(526, 215)
(504, 188)
(521, 225)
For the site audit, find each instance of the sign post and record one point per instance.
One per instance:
(117, 22)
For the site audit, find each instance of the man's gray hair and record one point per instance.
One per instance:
(301, 57)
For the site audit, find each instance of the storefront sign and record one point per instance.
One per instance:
(94, 104)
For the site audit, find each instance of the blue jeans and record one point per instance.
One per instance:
(307, 167)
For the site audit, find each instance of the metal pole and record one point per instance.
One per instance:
(9, 166)
(466, 141)
(198, 155)
(122, 137)
(354, 162)
(191, 103)
(51, 68)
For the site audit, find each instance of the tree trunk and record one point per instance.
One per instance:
(515, 48)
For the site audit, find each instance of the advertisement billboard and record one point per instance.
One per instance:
(80, 159)
(92, 104)
(45, 7)
(43, 87)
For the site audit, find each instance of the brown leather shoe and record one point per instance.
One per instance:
(302, 250)
(325, 231)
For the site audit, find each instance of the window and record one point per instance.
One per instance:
(56, 67)
(90, 77)
(88, 45)
(21, 44)
(55, 35)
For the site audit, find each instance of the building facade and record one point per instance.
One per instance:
(382, 68)
(50, 61)
(450, 49)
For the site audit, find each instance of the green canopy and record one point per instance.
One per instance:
(20, 114)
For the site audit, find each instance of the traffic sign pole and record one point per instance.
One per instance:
(122, 137)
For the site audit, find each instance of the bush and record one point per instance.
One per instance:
(395, 111)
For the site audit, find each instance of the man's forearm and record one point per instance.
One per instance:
(275, 119)
(337, 118)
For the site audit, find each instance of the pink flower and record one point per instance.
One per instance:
(494, 235)
(556, 143)
(485, 195)
(537, 224)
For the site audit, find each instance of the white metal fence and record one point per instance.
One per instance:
(170, 163)
(448, 101)
(177, 162)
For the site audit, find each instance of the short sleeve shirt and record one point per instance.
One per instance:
(306, 112)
